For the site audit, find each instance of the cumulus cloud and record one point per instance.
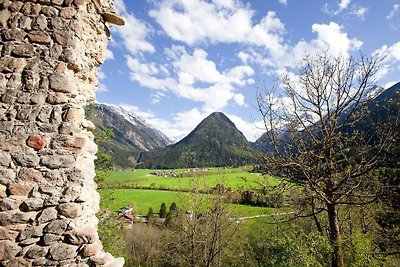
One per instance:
(360, 12)
(109, 54)
(393, 12)
(193, 76)
(199, 21)
(391, 61)
(135, 34)
(343, 4)
(283, 2)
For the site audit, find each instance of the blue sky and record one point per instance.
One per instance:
(176, 61)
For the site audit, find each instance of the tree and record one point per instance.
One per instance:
(163, 210)
(202, 235)
(312, 126)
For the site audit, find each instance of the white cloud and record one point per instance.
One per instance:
(393, 12)
(108, 55)
(135, 33)
(359, 12)
(198, 67)
(283, 2)
(101, 88)
(344, 4)
(391, 61)
(252, 130)
(199, 21)
(330, 37)
(193, 76)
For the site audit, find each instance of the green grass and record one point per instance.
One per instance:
(114, 199)
(230, 177)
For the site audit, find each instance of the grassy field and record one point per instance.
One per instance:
(121, 188)
(114, 199)
(229, 177)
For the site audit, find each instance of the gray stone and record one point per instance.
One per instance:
(19, 262)
(7, 176)
(30, 174)
(60, 83)
(30, 232)
(5, 159)
(47, 215)
(57, 227)
(8, 234)
(37, 252)
(92, 249)
(62, 251)
(4, 16)
(70, 210)
(57, 98)
(39, 37)
(8, 250)
(26, 158)
(3, 189)
(8, 203)
(15, 217)
(81, 236)
(49, 239)
(29, 241)
(71, 193)
(49, 11)
(23, 50)
(32, 204)
(38, 98)
(58, 161)
(40, 23)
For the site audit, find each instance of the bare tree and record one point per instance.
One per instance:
(201, 235)
(311, 116)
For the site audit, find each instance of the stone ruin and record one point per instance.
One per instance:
(50, 51)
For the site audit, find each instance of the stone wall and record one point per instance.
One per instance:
(50, 50)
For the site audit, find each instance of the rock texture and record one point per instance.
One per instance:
(49, 53)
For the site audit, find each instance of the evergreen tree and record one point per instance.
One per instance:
(163, 210)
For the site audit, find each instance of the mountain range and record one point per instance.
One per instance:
(214, 142)
(131, 134)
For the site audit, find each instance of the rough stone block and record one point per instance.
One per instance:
(58, 161)
(57, 227)
(30, 174)
(60, 83)
(20, 189)
(39, 37)
(47, 215)
(8, 250)
(70, 210)
(49, 239)
(7, 176)
(7, 234)
(62, 251)
(36, 251)
(26, 158)
(24, 50)
(32, 204)
(5, 159)
(8, 203)
(7, 218)
(30, 232)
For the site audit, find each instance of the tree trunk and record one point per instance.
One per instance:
(335, 239)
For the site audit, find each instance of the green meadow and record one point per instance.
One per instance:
(142, 189)
(233, 178)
